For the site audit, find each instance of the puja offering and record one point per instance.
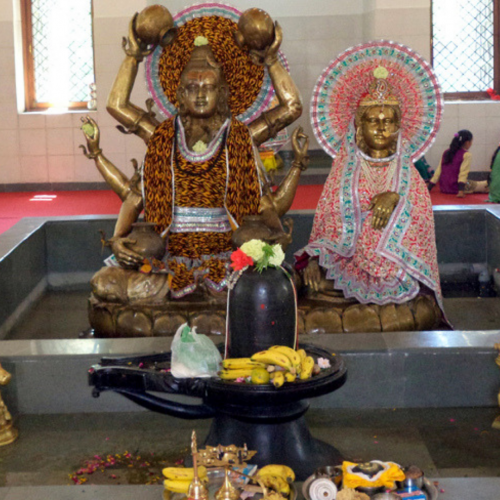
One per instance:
(221, 472)
(276, 365)
(375, 480)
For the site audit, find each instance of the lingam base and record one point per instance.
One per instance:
(267, 419)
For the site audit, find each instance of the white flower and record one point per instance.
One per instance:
(254, 249)
(200, 147)
(278, 256)
(200, 40)
(323, 363)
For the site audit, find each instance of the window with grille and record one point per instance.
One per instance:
(465, 47)
(58, 55)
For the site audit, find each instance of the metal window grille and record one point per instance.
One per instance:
(463, 44)
(62, 51)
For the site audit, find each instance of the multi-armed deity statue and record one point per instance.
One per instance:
(214, 74)
(371, 264)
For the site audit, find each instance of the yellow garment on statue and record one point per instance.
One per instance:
(391, 473)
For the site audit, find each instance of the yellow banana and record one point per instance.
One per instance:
(278, 470)
(289, 352)
(306, 368)
(277, 483)
(177, 485)
(290, 377)
(240, 363)
(278, 378)
(183, 473)
(234, 374)
(273, 358)
(302, 353)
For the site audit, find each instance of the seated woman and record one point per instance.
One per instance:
(453, 170)
(373, 241)
(494, 180)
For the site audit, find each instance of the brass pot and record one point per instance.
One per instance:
(148, 243)
(255, 29)
(252, 228)
(155, 26)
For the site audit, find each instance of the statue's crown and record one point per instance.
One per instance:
(379, 92)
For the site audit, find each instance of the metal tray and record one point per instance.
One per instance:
(429, 489)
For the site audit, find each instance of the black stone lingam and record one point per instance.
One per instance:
(262, 312)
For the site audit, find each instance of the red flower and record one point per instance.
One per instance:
(240, 260)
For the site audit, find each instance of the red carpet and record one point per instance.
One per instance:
(14, 206)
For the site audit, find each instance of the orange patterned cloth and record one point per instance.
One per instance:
(243, 77)
(228, 179)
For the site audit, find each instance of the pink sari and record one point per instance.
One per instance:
(374, 266)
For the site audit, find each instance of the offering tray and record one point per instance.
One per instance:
(265, 418)
(215, 480)
(331, 472)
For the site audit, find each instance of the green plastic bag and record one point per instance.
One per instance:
(193, 354)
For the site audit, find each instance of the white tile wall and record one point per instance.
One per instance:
(44, 148)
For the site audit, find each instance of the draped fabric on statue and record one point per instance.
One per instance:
(243, 186)
(175, 180)
(374, 266)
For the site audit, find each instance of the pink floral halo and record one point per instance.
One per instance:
(347, 78)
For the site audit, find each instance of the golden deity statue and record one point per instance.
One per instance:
(371, 264)
(8, 433)
(201, 178)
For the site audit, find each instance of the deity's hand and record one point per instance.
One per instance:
(90, 130)
(382, 206)
(300, 145)
(133, 46)
(312, 275)
(124, 255)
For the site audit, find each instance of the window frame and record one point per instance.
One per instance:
(30, 103)
(477, 96)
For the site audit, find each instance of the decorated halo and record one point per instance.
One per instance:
(347, 78)
(251, 89)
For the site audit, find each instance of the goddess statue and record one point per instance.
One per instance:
(213, 74)
(371, 260)
(8, 433)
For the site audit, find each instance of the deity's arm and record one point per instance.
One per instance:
(132, 117)
(129, 213)
(282, 198)
(289, 108)
(114, 177)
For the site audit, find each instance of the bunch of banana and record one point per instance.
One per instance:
(283, 363)
(233, 368)
(277, 478)
(284, 359)
(179, 479)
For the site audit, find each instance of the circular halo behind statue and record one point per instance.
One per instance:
(251, 89)
(347, 78)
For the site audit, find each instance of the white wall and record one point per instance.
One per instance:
(43, 148)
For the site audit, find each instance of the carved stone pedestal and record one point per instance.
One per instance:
(315, 316)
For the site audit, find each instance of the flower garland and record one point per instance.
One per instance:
(257, 253)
